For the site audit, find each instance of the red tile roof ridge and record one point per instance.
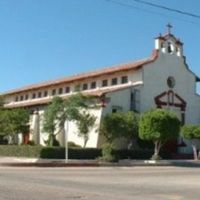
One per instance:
(116, 68)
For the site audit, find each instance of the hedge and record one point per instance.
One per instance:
(20, 151)
(139, 154)
(74, 153)
(48, 152)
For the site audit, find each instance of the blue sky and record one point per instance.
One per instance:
(48, 39)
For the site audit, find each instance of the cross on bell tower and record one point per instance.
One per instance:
(168, 43)
(169, 27)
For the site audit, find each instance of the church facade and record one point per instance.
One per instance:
(164, 80)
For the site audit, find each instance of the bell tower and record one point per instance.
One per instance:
(169, 44)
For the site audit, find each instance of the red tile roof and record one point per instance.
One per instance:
(109, 70)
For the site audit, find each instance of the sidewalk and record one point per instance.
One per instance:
(35, 162)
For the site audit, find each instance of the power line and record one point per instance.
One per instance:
(147, 11)
(122, 4)
(168, 8)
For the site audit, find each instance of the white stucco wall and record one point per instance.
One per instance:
(118, 99)
(93, 135)
(39, 136)
(155, 82)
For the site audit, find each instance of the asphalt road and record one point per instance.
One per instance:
(103, 183)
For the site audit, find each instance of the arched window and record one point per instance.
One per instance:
(169, 48)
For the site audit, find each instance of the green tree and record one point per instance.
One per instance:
(192, 133)
(51, 117)
(131, 126)
(59, 110)
(159, 126)
(74, 104)
(85, 123)
(119, 124)
(14, 121)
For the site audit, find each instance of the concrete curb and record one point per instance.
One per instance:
(49, 164)
(34, 162)
(178, 163)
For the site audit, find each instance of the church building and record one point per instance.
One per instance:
(164, 80)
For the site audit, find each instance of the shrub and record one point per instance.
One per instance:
(119, 124)
(144, 144)
(84, 153)
(108, 153)
(141, 154)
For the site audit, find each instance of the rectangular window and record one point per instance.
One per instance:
(33, 96)
(26, 97)
(93, 85)
(60, 91)
(114, 81)
(135, 100)
(85, 86)
(45, 93)
(21, 98)
(53, 92)
(16, 98)
(67, 89)
(124, 79)
(39, 94)
(104, 83)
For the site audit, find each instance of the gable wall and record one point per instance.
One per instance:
(155, 82)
